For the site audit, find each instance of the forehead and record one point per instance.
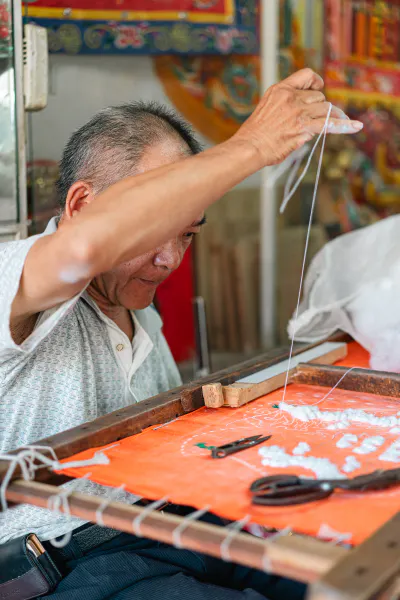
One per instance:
(164, 152)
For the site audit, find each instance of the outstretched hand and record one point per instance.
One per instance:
(290, 114)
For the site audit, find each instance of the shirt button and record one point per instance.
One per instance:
(120, 347)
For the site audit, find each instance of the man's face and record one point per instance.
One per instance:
(133, 284)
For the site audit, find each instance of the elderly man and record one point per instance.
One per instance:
(78, 337)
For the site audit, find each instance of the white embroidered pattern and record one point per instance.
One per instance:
(275, 456)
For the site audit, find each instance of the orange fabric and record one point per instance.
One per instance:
(165, 461)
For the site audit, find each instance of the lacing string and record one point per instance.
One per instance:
(233, 530)
(176, 534)
(58, 503)
(137, 521)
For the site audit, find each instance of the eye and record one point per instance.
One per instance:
(189, 234)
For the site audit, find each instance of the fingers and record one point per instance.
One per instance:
(319, 105)
(305, 79)
(339, 126)
(342, 127)
(321, 109)
(311, 97)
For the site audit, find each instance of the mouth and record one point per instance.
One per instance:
(148, 282)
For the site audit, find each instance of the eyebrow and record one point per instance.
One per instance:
(202, 221)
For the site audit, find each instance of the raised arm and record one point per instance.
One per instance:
(141, 212)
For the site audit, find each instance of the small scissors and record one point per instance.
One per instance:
(285, 490)
(233, 447)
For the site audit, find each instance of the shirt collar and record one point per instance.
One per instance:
(51, 226)
(148, 318)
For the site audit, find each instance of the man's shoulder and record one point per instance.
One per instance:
(13, 251)
(12, 246)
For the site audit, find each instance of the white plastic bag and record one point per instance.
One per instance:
(353, 284)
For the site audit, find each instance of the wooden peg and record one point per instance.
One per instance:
(272, 378)
(213, 395)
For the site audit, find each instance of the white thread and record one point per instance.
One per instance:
(326, 532)
(26, 472)
(392, 453)
(99, 511)
(341, 540)
(109, 447)
(289, 181)
(289, 194)
(266, 561)
(164, 424)
(350, 464)
(338, 419)
(323, 135)
(335, 386)
(280, 533)
(26, 461)
(301, 448)
(36, 447)
(30, 460)
(347, 440)
(276, 457)
(137, 521)
(235, 529)
(99, 458)
(176, 534)
(60, 500)
(30, 455)
(370, 444)
(292, 161)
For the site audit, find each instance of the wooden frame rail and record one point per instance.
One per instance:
(302, 558)
(360, 380)
(369, 571)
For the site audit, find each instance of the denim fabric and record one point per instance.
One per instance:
(131, 568)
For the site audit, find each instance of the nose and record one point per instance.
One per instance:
(169, 255)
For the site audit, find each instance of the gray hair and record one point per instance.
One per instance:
(112, 143)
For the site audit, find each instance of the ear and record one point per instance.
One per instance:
(79, 195)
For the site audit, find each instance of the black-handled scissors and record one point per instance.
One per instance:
(285, 490)
(238, 445)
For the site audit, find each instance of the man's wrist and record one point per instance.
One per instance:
(250, 153)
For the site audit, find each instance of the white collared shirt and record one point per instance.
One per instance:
(129, 355)
(75, 366)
